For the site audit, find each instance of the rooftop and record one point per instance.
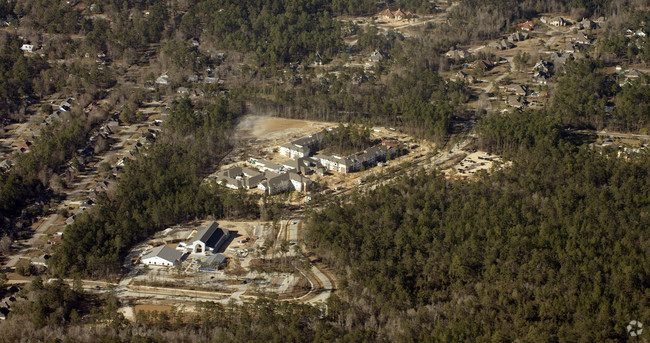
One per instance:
(164, 252)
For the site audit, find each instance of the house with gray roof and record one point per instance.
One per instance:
(376, 56)
(516, 101)
(517, 89)
(162, 256)
(518, 36)
(216, 261)
(560, 60)
(580, 38)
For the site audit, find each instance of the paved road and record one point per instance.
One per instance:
(293, 230)
(489, 87)
(40, 231)
(327, 287)
(85, 179)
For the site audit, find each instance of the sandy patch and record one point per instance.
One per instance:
(265, 128)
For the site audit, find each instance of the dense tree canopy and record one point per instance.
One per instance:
(17, 74)
(422, 104)
(160, 188)
(551, 245)
(277, 31)
(551, 248)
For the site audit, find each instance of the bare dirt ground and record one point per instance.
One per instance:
(271, 131)
(472, 163)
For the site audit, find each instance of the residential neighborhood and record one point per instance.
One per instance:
(324, 171)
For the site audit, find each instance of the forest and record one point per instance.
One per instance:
(160, 188)
(549, 245)
(548, 248)
(422, 104)
(346, 140)
(16, 75)
(584, 92)
(551, 248)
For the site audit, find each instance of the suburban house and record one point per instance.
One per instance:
(463, 76)
(214, 261)
(587, 24)
(570, 48)
(580, 38)
(5, 165)
(527, 26)
(560, 60)
(633, 73)
(376, 56)
(518, 36)
(162, 256)
(163, 79)
(387, 14)
(501, 45)
(208, 239)
(210, 80)
(483, 64)
(3, 313)
(28, 47)
(542, 71)
(557, 21)
(518, 89)
(457, 53)
(515, 101)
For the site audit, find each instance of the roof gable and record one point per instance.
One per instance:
(210, 235)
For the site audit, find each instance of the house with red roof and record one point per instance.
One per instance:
(527, 26)
(387, 14)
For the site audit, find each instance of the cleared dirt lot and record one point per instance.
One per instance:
(472, 163)
(267, 131)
